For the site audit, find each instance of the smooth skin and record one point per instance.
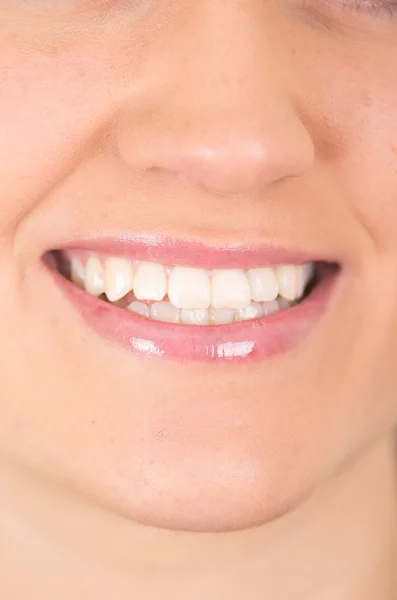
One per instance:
(225, 121)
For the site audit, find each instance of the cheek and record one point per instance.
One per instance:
(366, 168)
(47, 109)
(350, 109)
(356, 126)
(369, 175)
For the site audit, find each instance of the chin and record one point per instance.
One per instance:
(217, 494)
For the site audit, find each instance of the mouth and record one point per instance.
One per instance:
(182, 300)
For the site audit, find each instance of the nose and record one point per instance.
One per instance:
(221, 117)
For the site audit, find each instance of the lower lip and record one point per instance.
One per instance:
(255, 339)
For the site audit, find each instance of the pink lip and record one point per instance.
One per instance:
(254, 339)
(173, 251)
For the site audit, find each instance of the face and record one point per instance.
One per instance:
(221, 137)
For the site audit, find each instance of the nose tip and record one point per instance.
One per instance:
(224, 170)
(223, 160)
(240, 167)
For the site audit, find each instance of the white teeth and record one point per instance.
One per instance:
(77, 272)
(263, 283)
(230, 289)
(119, 278)
(150, 281)
(164, 311)
(253, 311)
(194, 317)
(283, 304)
(287, 276)
(268, 308)
(94, 277)
(221, 316)
(189, 288)
(140, 308)
(195, 296)
(300, 281)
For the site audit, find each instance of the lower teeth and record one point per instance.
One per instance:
(164, 311)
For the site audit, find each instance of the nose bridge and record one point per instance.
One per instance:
(221, 52)
(221, 117)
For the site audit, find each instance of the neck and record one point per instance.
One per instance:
(340, 544)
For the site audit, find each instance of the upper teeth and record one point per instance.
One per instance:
(190, 288)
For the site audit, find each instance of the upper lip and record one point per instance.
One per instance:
(172, 250)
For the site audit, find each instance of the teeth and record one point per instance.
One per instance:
(283, 303)
(77, 272)
(263, 284)
(119, 278)
(253, 311)
(268, 308)
(164, 311)
(192, 296)
(189, 288)
(308, 273)
(287, 276)
(221, 316)
(140, 308)
(94, 277)
(300, 281)
(230, 289)
(194, 317)
(150, 281)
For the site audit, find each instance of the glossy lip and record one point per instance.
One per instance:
(255, 339)
(172, 251)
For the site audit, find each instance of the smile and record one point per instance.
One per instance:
(153, 301)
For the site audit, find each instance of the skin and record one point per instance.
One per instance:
(100, 105)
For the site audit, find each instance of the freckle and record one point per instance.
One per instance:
(93, 422)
